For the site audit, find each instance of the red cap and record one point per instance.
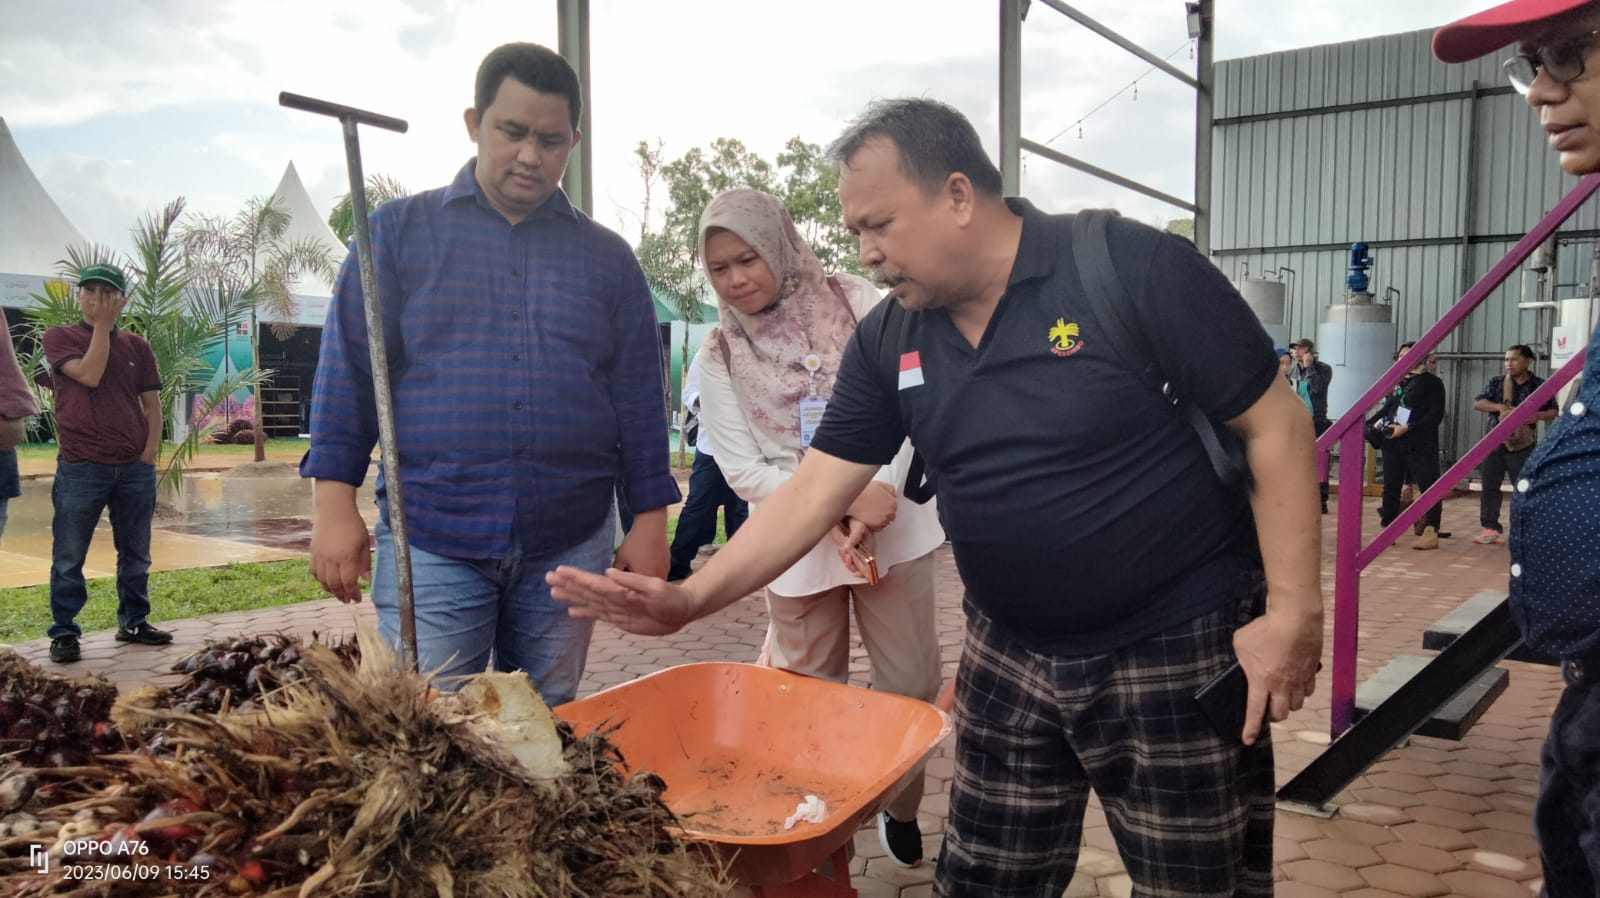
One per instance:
(1487, 31)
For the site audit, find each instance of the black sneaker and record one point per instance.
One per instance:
(144, 634)
(64, 649)
(902, 842)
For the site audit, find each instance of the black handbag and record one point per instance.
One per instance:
(1378, 429)
(1378, 425)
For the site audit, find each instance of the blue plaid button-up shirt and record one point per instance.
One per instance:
(1555, 528)
(526, 371)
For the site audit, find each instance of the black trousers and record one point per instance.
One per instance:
(1322, 425)
(1405, 460)
(1495, 468)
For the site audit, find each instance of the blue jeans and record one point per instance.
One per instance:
(468, 609)
(1566, 816)
(82, 490)
(697, 522)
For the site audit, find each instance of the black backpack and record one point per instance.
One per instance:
(1119, 319)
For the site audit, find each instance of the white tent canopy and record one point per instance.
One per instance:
(306, 223)
(34, 234)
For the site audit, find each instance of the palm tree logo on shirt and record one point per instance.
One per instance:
(1064, 338)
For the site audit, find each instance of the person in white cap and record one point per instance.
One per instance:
(1555, 511)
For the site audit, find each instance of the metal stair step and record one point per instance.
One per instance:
(1446, 629)
(1455, 718)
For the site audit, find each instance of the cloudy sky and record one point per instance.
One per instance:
(121, 106)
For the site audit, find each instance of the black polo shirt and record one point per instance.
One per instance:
(1082, 510)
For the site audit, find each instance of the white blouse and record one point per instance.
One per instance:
(755, 467)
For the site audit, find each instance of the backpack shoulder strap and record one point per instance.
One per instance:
(1106, 296)
(844, 298)
(1114, 310)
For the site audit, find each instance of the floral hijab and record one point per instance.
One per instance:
(766, 354)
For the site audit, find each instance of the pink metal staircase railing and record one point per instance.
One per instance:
(1351, 556)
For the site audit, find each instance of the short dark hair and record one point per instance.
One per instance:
(1524, 351)
(536, 66)
(933, 140)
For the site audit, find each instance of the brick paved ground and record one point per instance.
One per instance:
(1432, 818)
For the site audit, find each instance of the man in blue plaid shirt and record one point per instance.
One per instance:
(526, 372)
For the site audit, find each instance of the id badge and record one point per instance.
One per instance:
(811, 409)
(1402, 416)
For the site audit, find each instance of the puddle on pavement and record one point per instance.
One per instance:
(270, 511)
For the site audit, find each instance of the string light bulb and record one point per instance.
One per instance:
(1080, 132)
(1135, 91)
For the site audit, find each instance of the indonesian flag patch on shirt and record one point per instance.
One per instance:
(910, 370)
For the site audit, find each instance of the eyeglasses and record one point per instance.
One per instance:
(1561, 60)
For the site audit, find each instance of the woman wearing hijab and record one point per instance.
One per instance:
(767, 375)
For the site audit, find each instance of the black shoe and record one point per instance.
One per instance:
(1444, 534)
(64, 649)
(144, 634)
(902, 842)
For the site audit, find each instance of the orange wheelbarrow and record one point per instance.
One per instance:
(740, 746)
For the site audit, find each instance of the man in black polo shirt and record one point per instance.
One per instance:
(1109, 573)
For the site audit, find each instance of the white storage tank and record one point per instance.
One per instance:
(1356, 338)
(1576, 321)
(1268, 298)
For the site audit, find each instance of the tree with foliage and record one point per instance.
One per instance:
(810, 191)
(803, 178)
(1183, 227)
(250, 256)
(179, 315)
(380, 190)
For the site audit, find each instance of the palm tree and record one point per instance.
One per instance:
(178, 315)
(250, 258)
(380, 190)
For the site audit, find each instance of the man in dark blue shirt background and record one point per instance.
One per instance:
(1555, 511)
(526, 374)
(1499, 397)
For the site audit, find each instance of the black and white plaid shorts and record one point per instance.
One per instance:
(1191, 812)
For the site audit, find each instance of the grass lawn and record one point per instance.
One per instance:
(276, 448)
(25, 612)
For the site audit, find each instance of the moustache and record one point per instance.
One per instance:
(886, 280)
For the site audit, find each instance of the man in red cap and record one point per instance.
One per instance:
(1555, 511)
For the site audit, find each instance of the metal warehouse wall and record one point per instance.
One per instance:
(1439, 168)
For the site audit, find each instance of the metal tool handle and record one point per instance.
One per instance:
(342, 113)
(383, 398)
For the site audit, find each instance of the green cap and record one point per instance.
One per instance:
(109, 274)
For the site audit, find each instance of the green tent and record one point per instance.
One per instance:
(672, 328)
(667, 307)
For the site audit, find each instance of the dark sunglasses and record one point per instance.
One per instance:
(1562, 60)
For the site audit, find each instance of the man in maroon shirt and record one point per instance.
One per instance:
(108, 429)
